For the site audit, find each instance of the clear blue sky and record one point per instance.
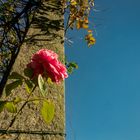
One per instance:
(103, 95)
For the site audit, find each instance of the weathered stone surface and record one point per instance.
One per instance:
(47, 31)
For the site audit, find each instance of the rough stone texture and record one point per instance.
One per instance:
(47, 31)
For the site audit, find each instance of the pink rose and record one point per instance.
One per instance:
(46, 61)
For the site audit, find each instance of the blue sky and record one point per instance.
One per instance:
(103, 95)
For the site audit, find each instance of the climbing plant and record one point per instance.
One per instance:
(16, 17)
(78, 12)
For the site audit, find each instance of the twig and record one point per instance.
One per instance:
(13, 120)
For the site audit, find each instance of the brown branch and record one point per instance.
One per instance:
(21, 108)
(27, 10)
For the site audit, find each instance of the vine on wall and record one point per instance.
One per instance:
(44, 68)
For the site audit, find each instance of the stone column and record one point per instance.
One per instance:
(47, 31)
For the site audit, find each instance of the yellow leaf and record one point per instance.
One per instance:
(79, 24)
(90, 39)
(82, 24)
(49, 81)
(89, 31)
(86, 21)
(73, 3)
(85, 26)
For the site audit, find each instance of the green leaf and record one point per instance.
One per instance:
(11, 86)
(42, 85)
(28, 72)
(10, 106)
(49, 81)
(47, 111)
(73, 64)
(70, 70)
(28, 86)
(36, 100)
(15, 75)
(17, 100)
(2, 105)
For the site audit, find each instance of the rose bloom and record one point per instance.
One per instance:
(46, 61)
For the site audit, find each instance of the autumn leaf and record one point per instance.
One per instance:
(90, 39)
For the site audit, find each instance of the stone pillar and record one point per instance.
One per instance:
(47, 31)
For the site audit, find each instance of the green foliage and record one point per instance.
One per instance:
(11, 107)
(42, 85)
(2, 105)
(11, 86)
(78, 18)
(71, 66)
(28, 72)
(15, 75)
(17, 100)
(36, 100)
(47, 111)
(28, 86)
